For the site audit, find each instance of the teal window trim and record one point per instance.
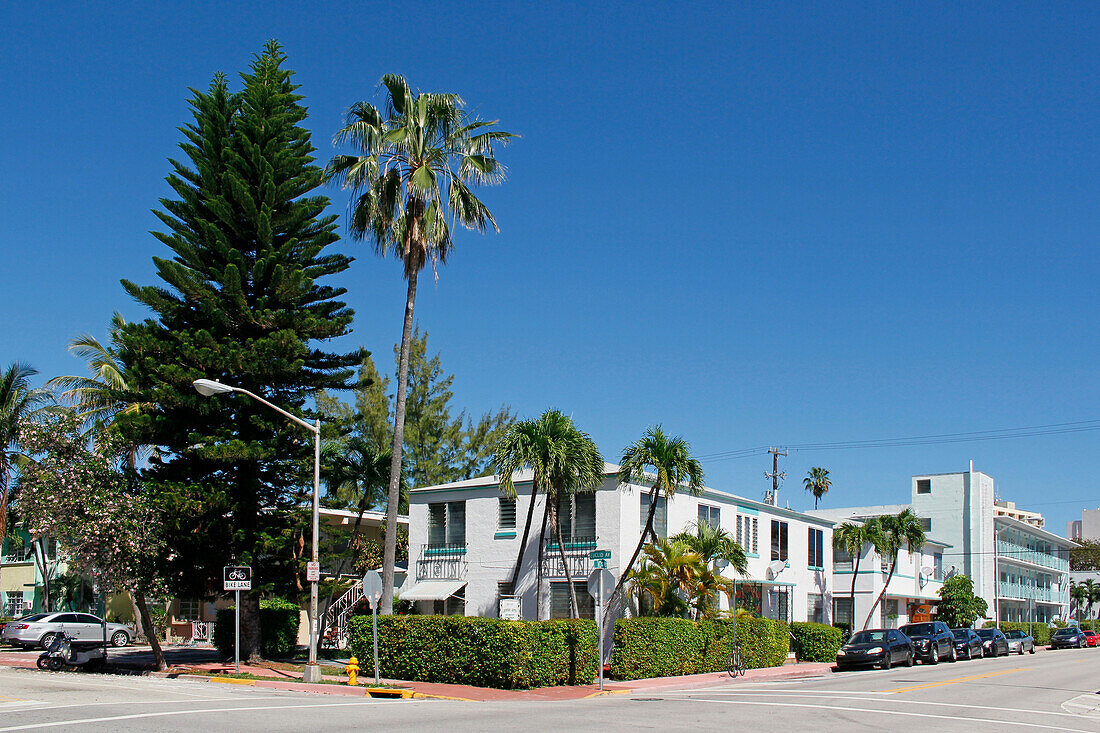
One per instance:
(573, 546)
(752, 554)
(505, 535)
(819, 567)
(446, 553)
(747, 510)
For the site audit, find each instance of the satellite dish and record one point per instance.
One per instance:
(926, 574)
(774, 568)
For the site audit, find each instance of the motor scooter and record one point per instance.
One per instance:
(67, 652)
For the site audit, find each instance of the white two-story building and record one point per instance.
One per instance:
(465, 539)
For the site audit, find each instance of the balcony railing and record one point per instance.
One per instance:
(576, 555)
(441, 561)
(1012, 551)
(1032, 592)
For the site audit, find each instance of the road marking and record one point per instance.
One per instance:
(167, 713)
(144, 702)
(891, 700)
(955, 681)
(902, 713)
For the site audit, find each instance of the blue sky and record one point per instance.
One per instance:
(755, 223)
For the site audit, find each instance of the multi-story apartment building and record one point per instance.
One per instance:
(21, 573)
(465, 539)
(1019, 568)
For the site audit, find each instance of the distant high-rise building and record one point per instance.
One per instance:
(1085, 528)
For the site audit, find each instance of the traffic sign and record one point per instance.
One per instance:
(599, 563)
(237, 577)
(599, 555)
(372, 587)
(313, 572)
(600, 583)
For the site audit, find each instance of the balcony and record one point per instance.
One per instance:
(1031, 592)
(576, 555)
(1011, 551)
(441, 561)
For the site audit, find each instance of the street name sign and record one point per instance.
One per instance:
(599, 555)
(599, 563)
(237, 577)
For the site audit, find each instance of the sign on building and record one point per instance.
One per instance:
(511, 608)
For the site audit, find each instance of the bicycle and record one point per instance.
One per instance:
(735, 663)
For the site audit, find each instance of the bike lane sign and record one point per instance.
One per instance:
(237, 577)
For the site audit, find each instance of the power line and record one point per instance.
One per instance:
(935, 439)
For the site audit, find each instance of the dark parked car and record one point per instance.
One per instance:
(967, 643)
(994, 643)
(1020, 642)
(876, 647)
(1069, 637)
(932, 640)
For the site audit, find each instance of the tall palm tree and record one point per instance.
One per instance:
(817, 482)
(851, 537)
(19, 402)
(668, 463)
(562, 459)
(99, 399)
(1092, 594)
(410, 181)
(895, 532)
(1080, 595)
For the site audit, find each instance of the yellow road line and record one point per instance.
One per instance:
(13, 699)
(955, 681)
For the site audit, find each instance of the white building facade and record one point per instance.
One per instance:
(465, 539)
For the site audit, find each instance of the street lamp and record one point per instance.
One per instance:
(209, 388)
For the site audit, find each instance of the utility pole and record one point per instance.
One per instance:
(776, 475)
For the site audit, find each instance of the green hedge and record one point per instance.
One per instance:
(816, 642)
(486, 652)
(1040, 631)
(663, 647)
(278, 628)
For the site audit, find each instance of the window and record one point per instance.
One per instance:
(841, 559)
(842, 610)
(926, 524)
(660, 516)
(815, 608)
(779, 540)
(815, 554)
(746, 533)
(447, 523)
(577, 517)
(711, 515)
(924, 486)
(779, 600)
(559, 601)
(190, 610)
(937, 565)
(15, 603)
(452, 606)
(506, 514)
(755, 522)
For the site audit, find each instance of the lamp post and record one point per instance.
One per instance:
(209, 388)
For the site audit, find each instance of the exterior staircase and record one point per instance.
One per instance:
(337, 615)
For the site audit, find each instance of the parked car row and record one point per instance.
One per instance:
(40, 629)
(1073, 637)
(930, 642)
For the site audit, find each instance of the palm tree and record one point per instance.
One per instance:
(1092, 594)
(894, 532)
(817, 482)
(671, 569)
(410, 181)
(19, 402)
(851, 537)
(99, 400)
(1079, 594)
(672, 466)
(712, 544)
(562, 459)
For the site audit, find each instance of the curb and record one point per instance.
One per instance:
(605, 693)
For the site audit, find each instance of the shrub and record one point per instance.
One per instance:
(662, 647)
(1040, 631)
(816, 642)
(487, 652)
(278, 628)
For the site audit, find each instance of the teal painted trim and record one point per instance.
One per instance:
(872, 572)
(820, 567)
(445, 553)
(751, 554)
(507, 535)
(747, 510)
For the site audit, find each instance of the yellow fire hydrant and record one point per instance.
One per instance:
(353, 670)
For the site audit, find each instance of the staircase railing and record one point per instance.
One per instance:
(337, 615)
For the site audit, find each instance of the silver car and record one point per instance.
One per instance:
(41, 629)
(1019, 642)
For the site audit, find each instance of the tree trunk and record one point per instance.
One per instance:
(538, 568)
(637, 551)
(526, 534)
(573, 608)
(38, 547)
(4, 468)
(393, 497)
(885, 587)
(855, 575)
(251, 640)
(142, 604)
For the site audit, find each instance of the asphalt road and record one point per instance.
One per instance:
(1054, 691)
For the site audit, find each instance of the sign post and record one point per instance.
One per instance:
(600, 583)
(237, 578)
(372, 591)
